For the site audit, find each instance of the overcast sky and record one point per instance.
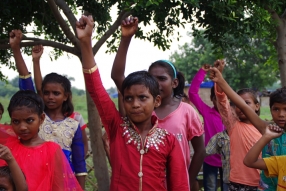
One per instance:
(140, 55)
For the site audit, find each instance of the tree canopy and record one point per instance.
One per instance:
(244, 69)
(243, 19)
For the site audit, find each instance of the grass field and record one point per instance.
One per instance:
(80, 106)
(78, 101)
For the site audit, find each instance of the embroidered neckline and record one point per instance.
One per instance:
(154, 138)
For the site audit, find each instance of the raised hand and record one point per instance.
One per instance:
(37, 52)
(215, 74)
(84, 27)
(219, 64)
(206, 67)
(15, 37)
(273, 131)
(5, 153)
(129, 26)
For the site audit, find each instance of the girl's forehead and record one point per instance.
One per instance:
(53, 85)
(25, 109)
(246, 95)
(138, 88)
(158, 69)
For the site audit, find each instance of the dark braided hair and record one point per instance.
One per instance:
(67, 107)
(26, 98)
(5, 172)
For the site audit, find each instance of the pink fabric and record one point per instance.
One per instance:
(137, 166)
(185, 124)
(45, 166)
(242, 137)
(212, 120)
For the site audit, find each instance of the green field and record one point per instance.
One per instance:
(80, 106)
(78, 101)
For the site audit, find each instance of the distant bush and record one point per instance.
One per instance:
(7, 90)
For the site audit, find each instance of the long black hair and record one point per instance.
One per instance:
(67, 107)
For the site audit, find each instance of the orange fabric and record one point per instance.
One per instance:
(242, 137)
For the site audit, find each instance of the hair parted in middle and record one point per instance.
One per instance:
(67, 107)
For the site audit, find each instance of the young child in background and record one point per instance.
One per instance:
(243, 135)
(275, 147)
(11, 176)
(175, 116)
(142, 156)
(272, 166)
(57, 125)
(220, 144)
(43, 163)
(212, 125)
(37, 52)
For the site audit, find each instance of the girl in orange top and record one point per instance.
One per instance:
(243, 135)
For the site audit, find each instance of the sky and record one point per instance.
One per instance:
(140, 55)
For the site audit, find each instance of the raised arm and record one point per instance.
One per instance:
(17, 174)
(251, 159)
(120, 104)
(129, 27)
(108, 113)
(195, 86)
(222, 86)
(37, 52)
(15, 40)
(84, 32)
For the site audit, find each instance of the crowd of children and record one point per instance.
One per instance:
(148, 141)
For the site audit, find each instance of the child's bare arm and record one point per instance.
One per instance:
(129, 27)
(84, 29)
(197, 159)
(17, 174)
(251, 159)
(120, 104)
(223, 86)
(15, 40)
(37, 52)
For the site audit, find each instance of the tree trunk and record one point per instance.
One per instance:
(99, 156)
(281, 50)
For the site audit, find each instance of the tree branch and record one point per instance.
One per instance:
(69, 49)
(110, 31)
(283, 16)
(63, 24)
(274, 15)
(68, 13)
